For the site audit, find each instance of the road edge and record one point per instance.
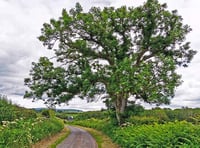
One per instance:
(102, 140)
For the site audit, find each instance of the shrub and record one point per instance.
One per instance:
(23, 133)
(137, 120)
(10, 112)
(92, 114)
(25, 113)
(182, 114)
(160, 114)
(133, 110)
(48, 113)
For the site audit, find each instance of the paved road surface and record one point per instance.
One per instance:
(78, 138)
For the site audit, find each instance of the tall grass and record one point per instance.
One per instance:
(23, 133)
(20, 127)
(10, 112)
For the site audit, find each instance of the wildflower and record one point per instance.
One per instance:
(13, 122)
(5, 122)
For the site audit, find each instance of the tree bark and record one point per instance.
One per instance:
(120, 105)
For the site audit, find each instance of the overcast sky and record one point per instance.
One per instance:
(20, 24)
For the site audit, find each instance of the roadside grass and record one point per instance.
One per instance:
(64, 134)
(52, 141)
(102, 140)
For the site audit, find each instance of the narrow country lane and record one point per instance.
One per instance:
(78, 138)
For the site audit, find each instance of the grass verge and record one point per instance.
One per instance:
(62, 137)
(52, 141)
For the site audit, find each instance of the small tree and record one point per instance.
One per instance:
(122, 52)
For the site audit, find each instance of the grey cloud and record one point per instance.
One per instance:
(78, 103)
(102, 2)
(20, 26)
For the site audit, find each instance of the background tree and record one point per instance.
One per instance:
(122, 52)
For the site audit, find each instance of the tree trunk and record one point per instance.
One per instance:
(120, 105)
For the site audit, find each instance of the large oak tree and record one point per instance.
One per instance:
(123, 52)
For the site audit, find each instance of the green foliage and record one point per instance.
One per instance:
(10, 112)
(65, 115)
(165, 115)
(91, 123)
(24, 113)
(178, 134)
(122, 52)
(159, 114)
(21, 127)
(49, 113)
(6, 110)
(46, 80)
(45, 113)
(47, 128)
(152, 128)
(23, 133)
(92, 114)
(131, 110)
(183, 114)
(150, 134)
(140, 120)
(134, 109)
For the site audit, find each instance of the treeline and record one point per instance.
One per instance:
(136, 114)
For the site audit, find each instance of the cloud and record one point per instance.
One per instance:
(20, 26)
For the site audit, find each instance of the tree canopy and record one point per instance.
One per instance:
(121, 52)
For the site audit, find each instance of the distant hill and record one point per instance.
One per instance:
(59, 110)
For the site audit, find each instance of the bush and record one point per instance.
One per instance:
(92, 114)
(182, 114)
(9, 112)
(91, 123)
(45, 113)
(48, 113)
(25, 113)
(137, 120)
(23, 133)
(160, 114)
(20, 127)
(65, 115)
(133, 110)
